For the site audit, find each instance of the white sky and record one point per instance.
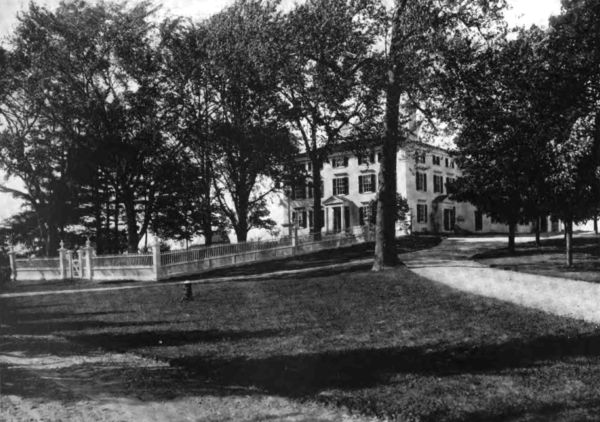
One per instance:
(523, 12)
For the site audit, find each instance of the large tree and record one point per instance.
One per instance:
(249, 139)
(329, 88)
(419, 36)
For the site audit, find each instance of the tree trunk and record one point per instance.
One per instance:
(241, 225)
(385, 231)
(512, 229)
(596, 224)
(132, 228)
(569, 241)
(52, 241)
(317, 206)
(117, 238)
(538, 228)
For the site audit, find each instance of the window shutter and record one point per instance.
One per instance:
(373, 183)
(345, 161)
(418, 181)
(333, 189)
(372, 157)
(360, 185)
(424, 182)
(304, 219)
(345, 186)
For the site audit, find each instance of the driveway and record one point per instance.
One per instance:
(449, 263)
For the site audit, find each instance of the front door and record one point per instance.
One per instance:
(449, 215)
(337, 219)
(346, 217)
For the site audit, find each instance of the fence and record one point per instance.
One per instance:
(83, 264)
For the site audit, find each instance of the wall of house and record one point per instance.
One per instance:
(407, 168)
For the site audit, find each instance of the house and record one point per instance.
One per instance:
(350, 184)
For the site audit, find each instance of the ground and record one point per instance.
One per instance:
(335, 345)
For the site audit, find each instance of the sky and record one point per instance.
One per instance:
(522, 12)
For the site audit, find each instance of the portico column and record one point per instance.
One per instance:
(343, 218)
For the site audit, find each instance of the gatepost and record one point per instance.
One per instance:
(61, 260)
(156, 259)
(69, 272)
(89, 252)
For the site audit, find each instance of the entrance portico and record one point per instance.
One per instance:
(338, 212)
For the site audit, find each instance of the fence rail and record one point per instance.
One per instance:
(38, 263)
(198, 254)
(133, 260)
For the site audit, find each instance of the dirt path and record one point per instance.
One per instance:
(449, 263)
(126, 387)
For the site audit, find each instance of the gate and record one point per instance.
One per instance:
(75, 264)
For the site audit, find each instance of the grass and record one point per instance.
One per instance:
(549, 259)
(387, 344)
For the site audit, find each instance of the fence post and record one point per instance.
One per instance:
(89, 251)
(69, 272)
(61, 260)
(12, 257)
(80, 257)
(156, 259)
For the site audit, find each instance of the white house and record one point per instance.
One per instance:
(350, 184)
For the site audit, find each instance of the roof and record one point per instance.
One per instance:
(346, 147)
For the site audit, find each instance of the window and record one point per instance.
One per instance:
(447, 162)
(365, 214)
(309, 167)
(478, 221)
(340, 186)
(368, 158)
(451, 163)
(421, 181)
(339, 162)
(421, 213)
(299, 217)
(438, 183)
(449, 181)
(311, 218)
(299, 192)
(310, 191)
(420, 157)
(437, 160)
(379, 157)
(367, 183)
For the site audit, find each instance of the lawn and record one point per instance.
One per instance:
(549, 259)
(389, 345)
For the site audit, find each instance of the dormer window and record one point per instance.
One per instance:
(437, 160)
(420, 158)
(366, 158)
(338, 162)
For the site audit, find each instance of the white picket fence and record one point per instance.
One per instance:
(84, 264)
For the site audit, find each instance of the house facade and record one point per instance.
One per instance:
(350, 183)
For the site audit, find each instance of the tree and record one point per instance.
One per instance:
(415, 70)
(189, 102)
(574, 57)
(329, 77)
(249, 141)
(502, 144)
